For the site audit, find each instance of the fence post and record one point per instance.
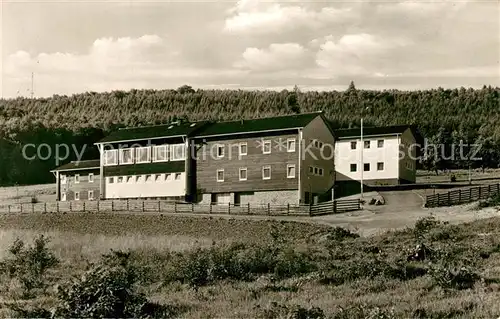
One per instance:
(21, 207)
(449, 201)
(248, 208)
(57, 207)
(288, 209)
(480, 192)
(192, 207)
(175, 207)
(460, 196)
(128, 205)
(335, 206)
(229, 208)
(32, 207)
(269, 208)
(489, 190)
(98, 203)
(470, 194)
(159, 209)
(45, 207)
(8, 209)
(112, 205)
(210, 208)
(84, 206)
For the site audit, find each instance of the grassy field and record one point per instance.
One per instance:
(277, 270)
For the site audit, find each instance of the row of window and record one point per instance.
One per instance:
(144, 178)
(64, 178)
(266, 147)
(366, 167)
(159, 153)
(318, 171)
(77, 195)
(266, 173)
(367, 144)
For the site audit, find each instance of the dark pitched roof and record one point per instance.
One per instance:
(77, 165)
(149, 132)
(258, 125)
(379, 130)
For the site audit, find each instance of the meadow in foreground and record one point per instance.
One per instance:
(214, 268)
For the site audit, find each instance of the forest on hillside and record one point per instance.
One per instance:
(443, 116)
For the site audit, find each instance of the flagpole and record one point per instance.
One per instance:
(362, 151)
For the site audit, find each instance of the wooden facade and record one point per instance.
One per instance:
(254, 161)
(79, 184)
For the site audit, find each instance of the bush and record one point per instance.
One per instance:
(423, 225)
(30, 264)
(449, 277)
(490, 202)
(363, 312)
(237, 262)
(107, 290)
(339, 234)
(275, 311)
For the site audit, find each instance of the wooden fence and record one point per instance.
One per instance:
(462, 196)
(159, 206)
(334, 207)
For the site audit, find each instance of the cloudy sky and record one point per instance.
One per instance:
(77, 46)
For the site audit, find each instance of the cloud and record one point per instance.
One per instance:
(354, 54)
(279, 56)
(268, 17)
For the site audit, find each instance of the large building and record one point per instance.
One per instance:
(291, 159)
(386, 157)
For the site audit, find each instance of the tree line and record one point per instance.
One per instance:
(443, 116)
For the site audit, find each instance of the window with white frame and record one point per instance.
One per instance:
(320, 171)
(266, 172)
(119, 179)
(91, 177)
(148, 178)
(311, 169)
(77, 178)
(380, 143)
(220, 175)
(126, 156)
(138, 179)
(315, 171)
(111, 180)
(177, 176)
(168, 177)
(290, 145)
(353, 145)
(110, 157)
(63, 196)
(367, 144)
(63, 179)
(354, 167)
(178, 152)
(160, 153)
(220, 150)
(243, 174)
(77, 195)
(143, 155)
(243, 149)
(290, 171)
(129, 179)
(158, 177)
(91, 195)
(266, 147)
(380, 166)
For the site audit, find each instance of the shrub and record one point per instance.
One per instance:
(490, 202)
(449, 277)
(275, 311)
(30, 264)
(363, 312)
(107, 290)
(238, 262)
(339, 234)
(423, 225)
